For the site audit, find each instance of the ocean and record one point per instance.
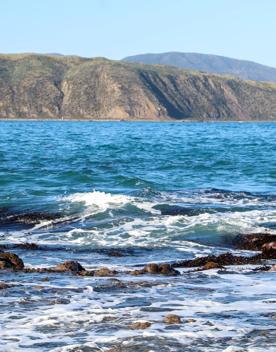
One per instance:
(121, 195)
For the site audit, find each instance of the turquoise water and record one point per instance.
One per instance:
(157, 191)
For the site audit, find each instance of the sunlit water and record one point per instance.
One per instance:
(157, 192)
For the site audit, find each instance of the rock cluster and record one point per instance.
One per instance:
(153, 268)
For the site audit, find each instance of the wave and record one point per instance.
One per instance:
(99, 202)
(157, 220)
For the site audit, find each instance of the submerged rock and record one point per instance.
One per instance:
(115, 253)
(191, 320)
(69, 265)
(104, 272)
(175, 210)
(212, 265)
(45, 279)
(4, 286)
(140, 325)
(10, 261)
(27, 245)
(172, 319)
(86, 273)
(137, 272)
(26, 218)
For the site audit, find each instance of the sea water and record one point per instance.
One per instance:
(154, 192)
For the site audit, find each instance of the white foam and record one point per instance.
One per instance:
(97, 201)
(205, 300)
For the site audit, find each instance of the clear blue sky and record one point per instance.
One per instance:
(243, 29)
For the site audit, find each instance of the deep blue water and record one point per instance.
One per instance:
(55, 158)
(159, 191)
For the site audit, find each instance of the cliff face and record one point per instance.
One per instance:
(38, 86)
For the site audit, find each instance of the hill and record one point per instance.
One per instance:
(247, 70)
(41, 86)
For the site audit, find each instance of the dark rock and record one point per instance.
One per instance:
(222, 259)
(175, 210)
(27, 218)
(172, 319)
(269, 246)
(262, 268)
(254, 241)
(31, 246)
(10, 261)
(5, 264)
(69, 265)
(269, 250)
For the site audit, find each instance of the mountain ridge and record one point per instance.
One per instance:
(244, 69)
(50, 87)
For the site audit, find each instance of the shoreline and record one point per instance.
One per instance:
(133, 120)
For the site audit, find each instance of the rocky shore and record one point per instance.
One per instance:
(264, 243)
(42, 288)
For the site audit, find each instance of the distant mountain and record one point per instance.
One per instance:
(41, 86)
(209, 63)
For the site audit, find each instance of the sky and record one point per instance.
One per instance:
(243, 29)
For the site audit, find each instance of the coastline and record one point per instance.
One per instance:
(136, 120)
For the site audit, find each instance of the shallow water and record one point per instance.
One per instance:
(157, 192)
